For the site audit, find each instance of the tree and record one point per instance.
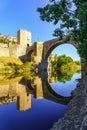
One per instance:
(71, 18)
(63, 60)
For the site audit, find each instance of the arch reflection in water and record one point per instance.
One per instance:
(21, 90)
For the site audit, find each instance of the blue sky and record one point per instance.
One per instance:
(22, 14)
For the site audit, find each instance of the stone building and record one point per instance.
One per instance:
(24, 37)
(19, 48)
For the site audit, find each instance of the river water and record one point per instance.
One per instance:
(33, 104)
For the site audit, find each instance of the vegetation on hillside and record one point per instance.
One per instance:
(12, 60)
(12, 67)
(70, 17)
(6, 40)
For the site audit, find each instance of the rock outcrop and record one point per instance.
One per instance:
(75, 117)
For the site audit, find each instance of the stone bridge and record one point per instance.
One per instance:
(42, 50)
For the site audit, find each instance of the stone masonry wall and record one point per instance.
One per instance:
(13, 50)
(75, 117)
(19, 49)
(4, 51)
(38, 52)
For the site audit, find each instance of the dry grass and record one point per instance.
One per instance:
(6, 60)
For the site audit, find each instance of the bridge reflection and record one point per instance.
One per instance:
(22, 90)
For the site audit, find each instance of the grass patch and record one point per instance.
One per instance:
(7, 60)
(15, 67)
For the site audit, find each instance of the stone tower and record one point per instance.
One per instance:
(24, 37)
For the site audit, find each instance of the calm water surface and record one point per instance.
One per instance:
(33, 105)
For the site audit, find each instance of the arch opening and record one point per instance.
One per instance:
(72, 63)
(65, 73)
(57, 45)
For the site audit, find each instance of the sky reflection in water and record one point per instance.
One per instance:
(65, 89)
(42, 114)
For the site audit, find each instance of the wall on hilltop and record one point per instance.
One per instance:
(13, 50)
(4, 51)
(19, 48)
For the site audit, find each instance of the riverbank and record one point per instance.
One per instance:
(75, 117)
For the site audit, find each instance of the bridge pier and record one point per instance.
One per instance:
(43, 66)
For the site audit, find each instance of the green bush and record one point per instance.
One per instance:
(27, 66)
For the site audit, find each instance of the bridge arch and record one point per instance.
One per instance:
(55, 96)
(48, 47)
(56, 44)
(29, 52)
